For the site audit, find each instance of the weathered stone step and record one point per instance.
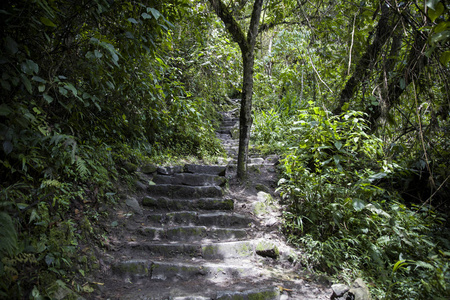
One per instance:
(141, 270)
(184, 191)
(231, 142)
(158, 203)
(268, 161)
(190, 179)
(216, 219)
(203, 169)
(193, 233)
(224, 130)
(211, 251)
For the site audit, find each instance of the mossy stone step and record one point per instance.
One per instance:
(192, 233)
(216, 219)
(203, 169)
(190, 179)
(210, 251)
(140, 270)
(271, 293)
(184, 191)
(211, 271)
(194, 204)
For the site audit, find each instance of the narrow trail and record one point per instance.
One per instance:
(193, 232)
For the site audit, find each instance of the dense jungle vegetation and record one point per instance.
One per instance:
(353, 95)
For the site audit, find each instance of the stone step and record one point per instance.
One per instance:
(163, 203)
(255, 161)
(192, 218)
(212, 170)
(224, 131)
(207, 251)
(144, 270)
(192, 233)
(178, 191)
(170, 170)
(190, 179)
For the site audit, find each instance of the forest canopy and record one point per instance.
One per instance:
(353, 96)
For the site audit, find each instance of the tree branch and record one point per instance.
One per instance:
(232, 26)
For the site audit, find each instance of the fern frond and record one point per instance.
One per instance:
(51, 182)
(8, 236)
(82, 169)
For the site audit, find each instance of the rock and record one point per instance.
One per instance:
(263, 196)
(272, 160)
(360, 290)
(140, 185)
(267, 249)
(339, 290)
(256, 161)
(134, 205)
(148, 169)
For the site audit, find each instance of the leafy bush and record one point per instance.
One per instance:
(347, 223)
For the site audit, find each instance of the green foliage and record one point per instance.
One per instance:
(86, 87)
(344, 219)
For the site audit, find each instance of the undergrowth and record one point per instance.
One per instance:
(344, 212)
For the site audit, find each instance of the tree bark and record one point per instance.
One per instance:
(398, 84)
(366, 62)
(247, 46)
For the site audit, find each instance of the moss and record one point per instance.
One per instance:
(265, 295)
(209, 250)
(260, 209)
(150, 168)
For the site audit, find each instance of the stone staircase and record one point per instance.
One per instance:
(187, 236)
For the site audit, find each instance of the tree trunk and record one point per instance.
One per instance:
(247, 46)
(245, 117)
(398, 84)
(366, 62)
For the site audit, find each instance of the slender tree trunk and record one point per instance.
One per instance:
(245, 117)
(247, 46)
(368, 59)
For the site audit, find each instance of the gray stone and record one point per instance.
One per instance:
(241, 249)
(256, 161)
(339, 289)
(148, 169)
(272, 160)
(134, 205)
(267, 249)
(360, 290)
(260, 294)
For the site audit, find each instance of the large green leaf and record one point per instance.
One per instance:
(445, 58)
(47, 22)
(435, 12)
